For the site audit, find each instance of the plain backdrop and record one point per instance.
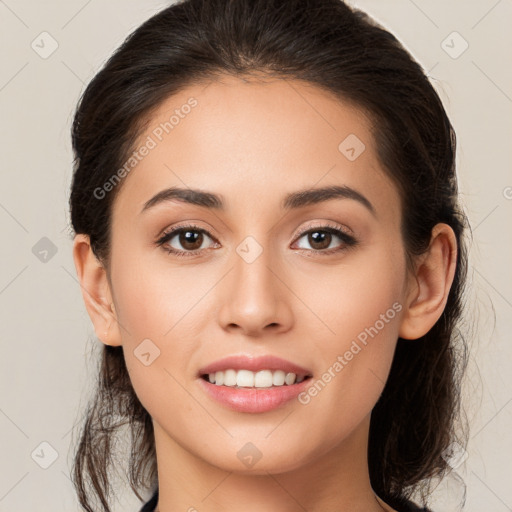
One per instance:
(46, 336)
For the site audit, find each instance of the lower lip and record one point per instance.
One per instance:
(254, 399)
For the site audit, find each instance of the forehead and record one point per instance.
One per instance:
(254, 140)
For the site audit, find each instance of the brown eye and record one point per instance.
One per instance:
(321, 238)
(189, 240)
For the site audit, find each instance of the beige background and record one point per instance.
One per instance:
(46, 336)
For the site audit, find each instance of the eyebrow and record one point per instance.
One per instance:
(291, 201)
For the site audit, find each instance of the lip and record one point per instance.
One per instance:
(254, 400)
(254, 364)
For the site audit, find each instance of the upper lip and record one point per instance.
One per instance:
(247, 362)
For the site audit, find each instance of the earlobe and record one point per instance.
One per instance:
(95, 291)
(432, 282)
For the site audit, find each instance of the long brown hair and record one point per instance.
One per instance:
(341, 50)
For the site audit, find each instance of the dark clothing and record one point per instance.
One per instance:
(401, 506)
(151, 504)
(406, 506)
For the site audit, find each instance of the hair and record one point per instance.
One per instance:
(343, 51)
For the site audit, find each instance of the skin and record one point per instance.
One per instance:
(253, 141)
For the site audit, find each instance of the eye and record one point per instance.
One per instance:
(321, 237)
(190, 237)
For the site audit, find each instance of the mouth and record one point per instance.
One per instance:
(247, 379)
(254, 384)
(249, 371)
(254, 392)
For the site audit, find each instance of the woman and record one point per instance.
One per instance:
(271, 250)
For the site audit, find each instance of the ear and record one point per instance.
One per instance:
(96, 291)
(431, 284)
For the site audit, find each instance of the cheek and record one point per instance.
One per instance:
(356, 294)
(158, 328)
(362, 308)
(155, 298)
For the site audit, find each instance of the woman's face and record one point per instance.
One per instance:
(256, 285)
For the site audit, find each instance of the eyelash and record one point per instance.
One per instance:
(349, 241)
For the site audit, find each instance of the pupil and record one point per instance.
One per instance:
(322, 236)
(189, 238)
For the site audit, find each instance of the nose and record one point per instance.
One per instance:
(255, 296)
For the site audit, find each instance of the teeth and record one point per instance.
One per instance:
(279, 378)
(248, 379)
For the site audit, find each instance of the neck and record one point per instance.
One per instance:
(334, 481)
